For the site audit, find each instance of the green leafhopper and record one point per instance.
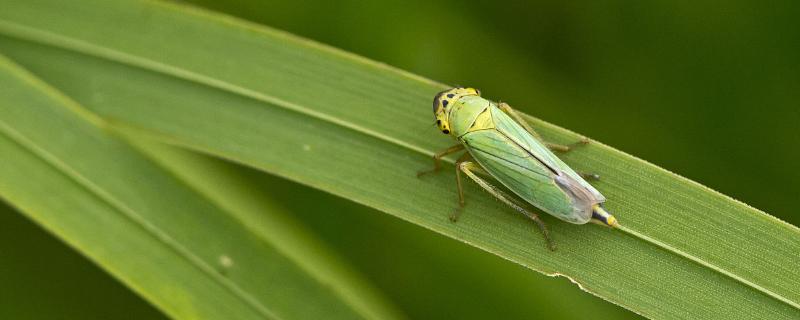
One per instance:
(501, 145)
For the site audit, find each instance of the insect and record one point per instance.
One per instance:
(501, 145)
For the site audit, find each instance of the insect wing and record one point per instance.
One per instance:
(521, 173)
(510, 128)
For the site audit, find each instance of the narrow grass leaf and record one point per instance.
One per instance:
(182, 252)
(360, 130)
(240, 194)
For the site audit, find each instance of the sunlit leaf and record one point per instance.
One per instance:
(360, 130)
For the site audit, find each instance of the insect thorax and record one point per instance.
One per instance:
(471, 113)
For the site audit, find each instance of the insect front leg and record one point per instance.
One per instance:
(552, 146)
(437, 159)
(469, 168)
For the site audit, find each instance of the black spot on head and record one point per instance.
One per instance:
(445, 131)
(451, 95)
(439, 122)
(445, 102)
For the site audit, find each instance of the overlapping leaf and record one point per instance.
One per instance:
(186, 252)
(360, 130)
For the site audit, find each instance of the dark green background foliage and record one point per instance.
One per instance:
(706, 89)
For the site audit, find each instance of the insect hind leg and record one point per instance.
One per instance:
(469, 168)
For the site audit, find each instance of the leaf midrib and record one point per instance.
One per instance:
(26, 33)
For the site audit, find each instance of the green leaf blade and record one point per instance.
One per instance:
(225, 184)
(326, 119)
(22, 181)
(178, 250)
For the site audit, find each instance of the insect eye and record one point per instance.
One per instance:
(439, 122)
(436, 101)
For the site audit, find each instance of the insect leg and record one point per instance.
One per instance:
(437, 158)
(552, 146)
(513, 114)
(481, 171)
(474, 169)
(589, 175)
(566, 148)
(454, 216)
(468, 167)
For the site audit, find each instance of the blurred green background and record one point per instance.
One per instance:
(706, 89)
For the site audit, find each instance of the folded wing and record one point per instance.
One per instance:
(523, 174)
